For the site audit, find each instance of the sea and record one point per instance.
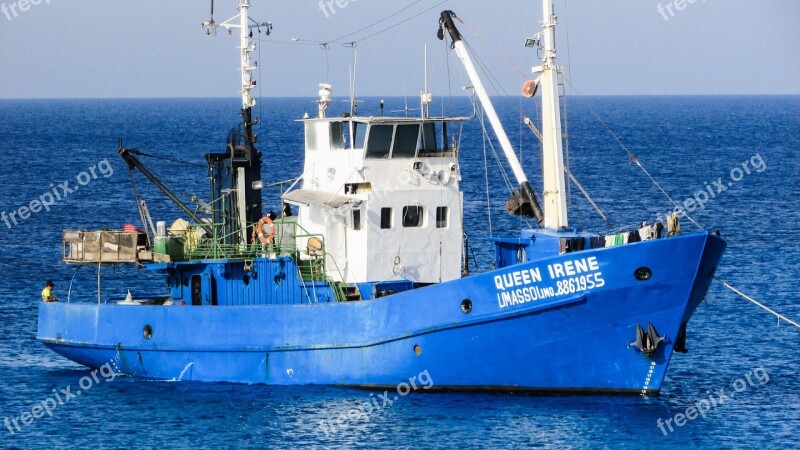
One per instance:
(732, 163)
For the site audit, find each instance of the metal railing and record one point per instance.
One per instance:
(311, 262)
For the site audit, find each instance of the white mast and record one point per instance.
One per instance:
(555, 197)
(246, 47)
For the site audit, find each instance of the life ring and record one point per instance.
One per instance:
(265, 238)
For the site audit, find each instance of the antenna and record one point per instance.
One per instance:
(353, 104)
(406, 109)
(210, 26)
(425, 96)
(245, 25)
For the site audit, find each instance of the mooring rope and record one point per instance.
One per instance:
(750, 299)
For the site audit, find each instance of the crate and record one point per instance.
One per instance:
(102, 247)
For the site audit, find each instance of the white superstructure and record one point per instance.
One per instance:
(385, 194)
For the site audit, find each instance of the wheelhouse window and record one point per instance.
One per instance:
(428, 142)
(357, 219)
(379, 141)
(441, 217)
(386, 218)
(360, 134)
(412, 216)
(311, 137)
(406, 138)
(432, 143)
(337, 136)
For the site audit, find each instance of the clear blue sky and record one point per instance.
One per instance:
(156, 48)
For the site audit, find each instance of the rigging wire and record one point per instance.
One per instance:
(326, 48)
(493, 49)
(137, 200)
(503, 173)
(401, 22)
(492, 80)
(488, 192)
(566, 32)
(166, 158)
(588, 197)
(260, 85)
(447, 76)
(500, 91)
(378, 22)
(569, 173)
(631, 156)
(504, 95)
(760, 305)
(193, 198)
(341, 39)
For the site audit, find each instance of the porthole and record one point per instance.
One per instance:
(643, 273)
(466, 306)
(147, 332)
(417, 350)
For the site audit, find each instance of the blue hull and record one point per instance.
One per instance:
(559, 324)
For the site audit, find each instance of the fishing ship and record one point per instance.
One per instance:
(368, 283)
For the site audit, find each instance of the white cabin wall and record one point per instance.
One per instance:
(426, 254)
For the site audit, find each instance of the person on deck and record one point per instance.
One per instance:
(47, 292)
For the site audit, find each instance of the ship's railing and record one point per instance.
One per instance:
(288, 233)
(307, 249)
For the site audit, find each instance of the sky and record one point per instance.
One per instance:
(156, 48)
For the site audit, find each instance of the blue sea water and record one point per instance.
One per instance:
(687, 144)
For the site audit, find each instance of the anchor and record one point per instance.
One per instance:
(647, 343)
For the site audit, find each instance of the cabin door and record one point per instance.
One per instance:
(209, 290)
(336, 246)
(197, 290)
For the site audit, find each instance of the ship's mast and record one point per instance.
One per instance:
(555, 197)
(245, 45)
(245, 159)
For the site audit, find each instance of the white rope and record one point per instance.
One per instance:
(776, 314)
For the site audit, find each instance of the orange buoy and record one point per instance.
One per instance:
(529, 88)
(265, 237)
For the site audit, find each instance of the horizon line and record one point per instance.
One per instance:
(389, 96)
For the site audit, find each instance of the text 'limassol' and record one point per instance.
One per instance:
(568, 277)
